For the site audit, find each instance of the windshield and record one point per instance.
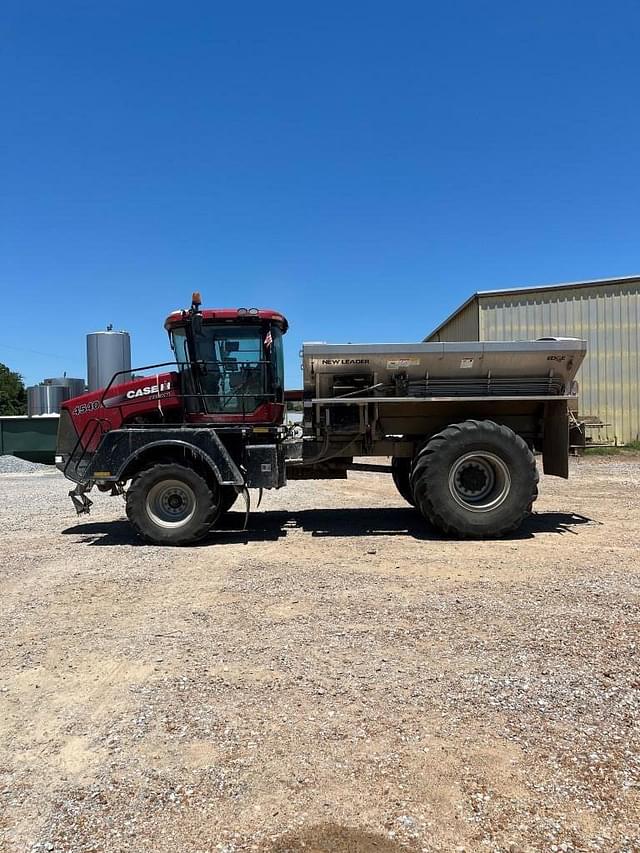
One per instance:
(238, 367)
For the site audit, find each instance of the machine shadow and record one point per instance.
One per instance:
(344, 522)
(262, 527)
(550, 522)
(404, 521)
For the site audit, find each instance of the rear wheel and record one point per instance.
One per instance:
(475, 479)
(171, 504)
(401, 473)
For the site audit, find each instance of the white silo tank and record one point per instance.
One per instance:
(46, 399)
(108, 353)
(75, 386)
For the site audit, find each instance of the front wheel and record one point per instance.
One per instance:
(476, 479)
(171, 504)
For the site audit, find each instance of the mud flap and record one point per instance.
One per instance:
(555, 446)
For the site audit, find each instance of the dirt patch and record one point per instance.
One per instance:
(328, 839)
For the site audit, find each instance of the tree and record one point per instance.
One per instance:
(13, 395)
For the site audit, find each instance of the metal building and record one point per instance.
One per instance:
(605, 312)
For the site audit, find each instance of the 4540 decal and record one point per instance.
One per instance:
(83, 408)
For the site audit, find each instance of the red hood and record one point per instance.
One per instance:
(138, 398)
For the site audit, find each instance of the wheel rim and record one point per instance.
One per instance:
(479, 481)
(171, 503)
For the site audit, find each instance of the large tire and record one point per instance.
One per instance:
(475, 479)
(171, 504)
(401, 473)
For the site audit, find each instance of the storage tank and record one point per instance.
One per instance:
(108, 352)
(75, 386)
(46, 399)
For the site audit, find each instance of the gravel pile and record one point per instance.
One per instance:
(14, 465)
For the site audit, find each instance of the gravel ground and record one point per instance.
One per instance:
(339, 678)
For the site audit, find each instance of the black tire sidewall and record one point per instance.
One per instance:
(401, 473)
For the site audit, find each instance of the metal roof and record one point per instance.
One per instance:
(595, 282)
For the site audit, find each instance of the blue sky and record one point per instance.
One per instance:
(360, 166)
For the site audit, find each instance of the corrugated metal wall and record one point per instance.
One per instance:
(462, 326)
(607, 316)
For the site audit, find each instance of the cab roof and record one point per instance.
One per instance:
(241, 315)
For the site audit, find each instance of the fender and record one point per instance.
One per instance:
(119, 450)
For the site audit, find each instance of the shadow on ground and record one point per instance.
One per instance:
(360, 521)
(329, 838)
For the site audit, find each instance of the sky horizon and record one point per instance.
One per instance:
(362, 168)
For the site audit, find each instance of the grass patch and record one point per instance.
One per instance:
(620, 450)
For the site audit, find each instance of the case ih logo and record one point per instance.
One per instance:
(147, 390)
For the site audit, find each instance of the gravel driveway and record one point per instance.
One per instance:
(339, 678)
